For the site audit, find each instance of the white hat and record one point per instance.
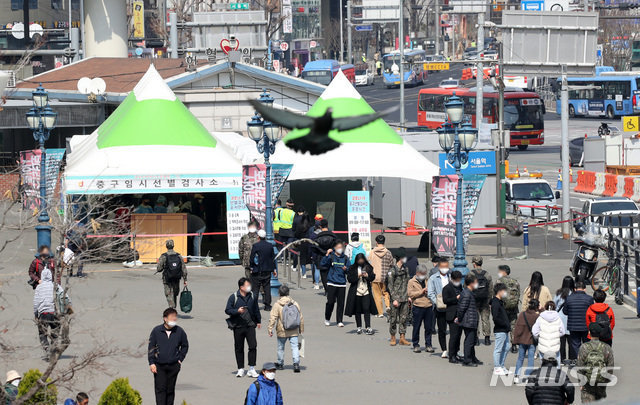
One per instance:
(262, 234)
(12, 375)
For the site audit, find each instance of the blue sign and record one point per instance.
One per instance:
(532, 5)
(364, 27)
(480, 162)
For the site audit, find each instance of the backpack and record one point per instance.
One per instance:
(602, 319)
(172, 270)
(513, 299)
(326, 241)
(355, 251)
(482, 292)
(290, 316)
(594, 362)
(256, 383)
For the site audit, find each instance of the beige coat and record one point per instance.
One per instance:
(543, 297)
(276, 319)
(418, 298)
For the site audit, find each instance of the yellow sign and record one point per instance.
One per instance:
(138, 19)
(631, 124)
(436, 66)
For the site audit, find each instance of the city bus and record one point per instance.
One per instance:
(414, 73)
(610, 94)
(523, 111)
(324, 70)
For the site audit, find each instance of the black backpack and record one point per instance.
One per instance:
(257, 384)
(482, 292)
(172, 270)
(602, 319)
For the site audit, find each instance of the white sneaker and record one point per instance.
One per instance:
(340, 325)
(444, 355)
(516, 380)
(293, 268)
(506, 371)
(252, 373)
(304, 275)
(240, 373)
(498, 371)
(327, 323)
(316, 287)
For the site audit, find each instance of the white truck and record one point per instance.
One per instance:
(529, 196)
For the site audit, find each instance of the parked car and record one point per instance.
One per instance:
(449, 83)
(621, 223)
(595, 207)
(490, 54)
(364, 77)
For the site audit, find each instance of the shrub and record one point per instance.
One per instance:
(44, 396)
(119, 392)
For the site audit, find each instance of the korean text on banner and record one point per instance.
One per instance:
(30, 174)
(237, 219)
(358, 216)
(471, 188)
(138, 19)
(443, 213)
(254, 187)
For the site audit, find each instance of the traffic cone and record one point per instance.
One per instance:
(517, 171)
(559, 183)
(411, 229)
(570, 175)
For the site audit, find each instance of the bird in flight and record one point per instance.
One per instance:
(513, 227)
(317, 141)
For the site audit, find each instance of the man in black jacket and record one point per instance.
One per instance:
(244, 317)
(549, 385)
(467, 318)
(325, 240)
(450, 296)
(263, 263)
(168, 346)
(501, 328)
(575, 308)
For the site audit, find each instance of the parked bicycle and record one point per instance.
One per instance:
(608, 278)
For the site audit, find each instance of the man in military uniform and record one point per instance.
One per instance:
(397, 287)
(245, 245)
(593, 356)
(512, 302)
(483, 295)
(173, 268)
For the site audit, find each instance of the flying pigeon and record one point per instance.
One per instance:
(514, 228)
(317, 141)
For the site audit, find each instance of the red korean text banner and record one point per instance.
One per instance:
(443, 214)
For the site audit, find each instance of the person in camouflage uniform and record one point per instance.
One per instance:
(512, 302)
(245, 245)
(397, 287)
(594, 349)
(484, 309)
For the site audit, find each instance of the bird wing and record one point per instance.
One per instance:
(282, 118)
(356, 121)
(315, 145)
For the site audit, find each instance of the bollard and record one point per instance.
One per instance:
(289, 268)
(525, 239)
(274, 283)
(299, 273)
(546, 233)
(570, 231)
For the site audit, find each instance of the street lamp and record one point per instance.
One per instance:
(266, 135)
(457, 140)
(41, 120)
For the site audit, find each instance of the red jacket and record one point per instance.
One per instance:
(35, 269)
(598, 308)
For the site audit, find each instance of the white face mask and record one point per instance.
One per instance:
(403, 260)
(15, 383)
(247, 289)
(171, 324)
(270, 375)
(252, 230)
(456, 283)
(421, 277)
(444, 270)
(499, 274)
(474, 286)
(504, 295)
(339, 251)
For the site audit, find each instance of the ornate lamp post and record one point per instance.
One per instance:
(42, 119)
(457, 139)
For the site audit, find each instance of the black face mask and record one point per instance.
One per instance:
(44, 255)
(361, 264)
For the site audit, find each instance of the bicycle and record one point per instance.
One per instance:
(608, 278)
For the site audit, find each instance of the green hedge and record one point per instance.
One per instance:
(119, 392)
(44, 396)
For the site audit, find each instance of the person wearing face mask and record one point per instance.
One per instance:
(501, 328)
(450, 296)
(436, 283)
(337, 263)
(11, 386)
(265, 390)
(381, 260)
(421, 307)
(483, 296)
(244, 246)
(397, 285)
(467, 318)
(168, 347)
(42, 261)
(512, 302)
(359, 298)
(262, 259)
(244, 317)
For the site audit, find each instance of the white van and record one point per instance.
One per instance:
(528, 196)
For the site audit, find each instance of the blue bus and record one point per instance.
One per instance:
(414, 73)
(610, 94)
(324, 70)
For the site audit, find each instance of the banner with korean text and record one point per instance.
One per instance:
(358, 216)
(237, 220)
(30, 175)
(254, 187)
(443, 214)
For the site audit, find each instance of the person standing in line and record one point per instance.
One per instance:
(483, 296)
(512, 302)
(435, 265)
(467, 318)
(301, 225)
(354, 247)
(265, 390)
(244, 318)
(11, 386)
(548, 329)
(325, 240)
(501, 328)
(603, 314)
(168, 347)
(594, 359)
(262, 259)
(246, 244)
(536, 289)
(277, 210)
(286, 317)
(359, 298)
(549, 385)
(397, 285)
(286, 223)
(417, 290)
(450, 296)
(575, 307)
(172, 266)
(436, 283)
(568, 285)
(337, 263)
(313, 251)
(44, 311)
(381, 260)
(523, 335)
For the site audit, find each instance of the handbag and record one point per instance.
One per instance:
(535, 339)
(186, 300)
(440, 302)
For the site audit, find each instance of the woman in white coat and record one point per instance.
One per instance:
(548, 329)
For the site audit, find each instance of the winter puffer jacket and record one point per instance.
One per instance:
(549, 385)
(575, 307)
(548, 329)
(467, 310)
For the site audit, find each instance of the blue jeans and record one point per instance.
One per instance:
(316, 274)
(501, 349)
(529, 351)
(197, 241)
(293, 341)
